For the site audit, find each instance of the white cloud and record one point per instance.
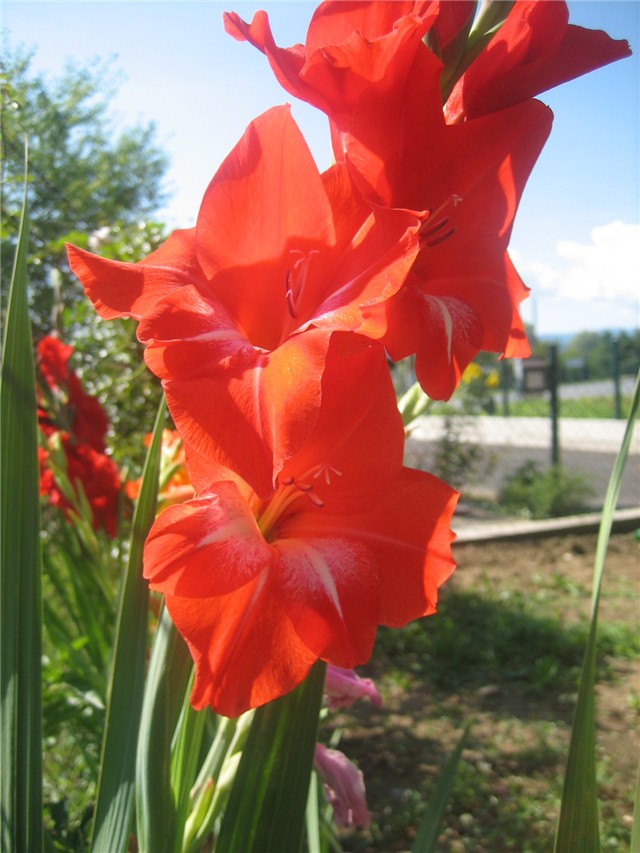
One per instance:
(591, 285)
(606, 268)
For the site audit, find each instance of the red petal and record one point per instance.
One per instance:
(120, 289)
(207, 546)
(330, 588)
(254, 416)
(266, 198)
(532, 52)
(245, 648)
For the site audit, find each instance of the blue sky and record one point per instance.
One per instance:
(577, 236)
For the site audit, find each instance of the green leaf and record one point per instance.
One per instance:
(413, 404)
(578, 820)
(20, 574)
(185, 756)
(266, 808)
(156, 809)
(427, 837)
(112, 817)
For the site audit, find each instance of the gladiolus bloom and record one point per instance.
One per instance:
(347, 540)
(463, 294)
(237, 313)
(63, 404)
(79, 422)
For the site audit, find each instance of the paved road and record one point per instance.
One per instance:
(595, 388)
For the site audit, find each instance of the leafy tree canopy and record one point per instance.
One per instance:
(84, 175)
(592, 354)
(96, 186)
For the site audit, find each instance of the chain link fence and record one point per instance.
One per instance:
(536, 447)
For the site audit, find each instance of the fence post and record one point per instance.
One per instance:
(552, 379)
(505, 383)
(617, 394)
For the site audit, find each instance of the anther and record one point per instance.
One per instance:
(315, 500)
(433, 228)
(440, 238)
(295, 281)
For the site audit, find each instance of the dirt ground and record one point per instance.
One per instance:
(504, 651)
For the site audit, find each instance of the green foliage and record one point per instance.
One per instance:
(84, 174)
(590, 355)
(483, 638)
(458, 459)
(94, 186)
(544, 494)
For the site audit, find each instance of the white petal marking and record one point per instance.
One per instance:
(447, 319)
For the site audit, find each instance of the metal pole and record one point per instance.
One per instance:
(615, 349)
(505, 382)
(554, 403)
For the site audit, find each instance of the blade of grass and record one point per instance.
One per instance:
(429, 829)
(114, 804)
(20, 573)
(266, 808)
(578, 820)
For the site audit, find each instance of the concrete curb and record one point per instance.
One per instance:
(495, 531)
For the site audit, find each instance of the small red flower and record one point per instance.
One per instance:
(78, 419)
(535, 49)
(237, 313)
(62, 401)
(348, 539)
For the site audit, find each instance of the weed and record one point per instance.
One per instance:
(544, 494)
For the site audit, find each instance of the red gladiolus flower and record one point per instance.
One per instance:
(63, 403)
(388, 125)
(352, 50)
(535, 49)
(348, 539)
(98, 476)
(237, 313)
(66, 410)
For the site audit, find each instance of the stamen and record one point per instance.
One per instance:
(288, 490)
(431, 230)
(427, 232)
(315, 500)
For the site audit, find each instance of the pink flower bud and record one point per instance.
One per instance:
(344, 787)
(342, 688)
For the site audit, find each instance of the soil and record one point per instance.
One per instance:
(509, 781)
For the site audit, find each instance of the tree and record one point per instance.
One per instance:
(83, 175)
(95, 187)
